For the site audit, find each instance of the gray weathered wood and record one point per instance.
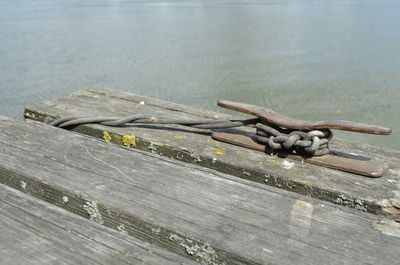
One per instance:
(378, 196)
(35, 232)
(214, 217)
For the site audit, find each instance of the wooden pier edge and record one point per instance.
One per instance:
(378, 196)
(192, 211)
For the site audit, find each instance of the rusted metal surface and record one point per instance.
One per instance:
(337, 160)
(270, 117)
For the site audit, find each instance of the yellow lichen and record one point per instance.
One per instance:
(318, 167)
(306, 183)
(129, 140)
(87, 92)
(219, 152)
(178, 137)
(106, 136)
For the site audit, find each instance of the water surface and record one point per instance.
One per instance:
(308, 59)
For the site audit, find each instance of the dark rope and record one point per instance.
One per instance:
(313, 143)
(129, 121)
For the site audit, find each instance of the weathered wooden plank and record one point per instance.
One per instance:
(35, 232)
(211, 216)
(378, 196)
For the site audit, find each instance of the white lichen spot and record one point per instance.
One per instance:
(174, 237)
(93, 211)
(266, 178)
(360, 208)
(246, 173)
(155, 230)
(391, 181)
(202, 252)
(359, 205)
(196, 157)
(153, 148)
(122, 228)
(342, 199)
(355, 203)
(214, 160)
(267, 250)
(286, 164)
(65, 199)
(142, 103)
(23, 184)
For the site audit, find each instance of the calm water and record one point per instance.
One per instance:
(326, 59)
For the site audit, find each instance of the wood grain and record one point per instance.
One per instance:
(196, 147)
(35, 232)
(206, 215)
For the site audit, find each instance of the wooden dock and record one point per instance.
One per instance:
(172, 195)
(378, 196)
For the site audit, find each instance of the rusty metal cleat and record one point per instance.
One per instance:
(361, 165)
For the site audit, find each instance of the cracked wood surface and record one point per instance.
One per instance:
(378, 196)
(210, 216)
(35, 232)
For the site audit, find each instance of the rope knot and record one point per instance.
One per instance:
(313, 143)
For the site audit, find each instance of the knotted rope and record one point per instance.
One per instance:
(313, 143)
